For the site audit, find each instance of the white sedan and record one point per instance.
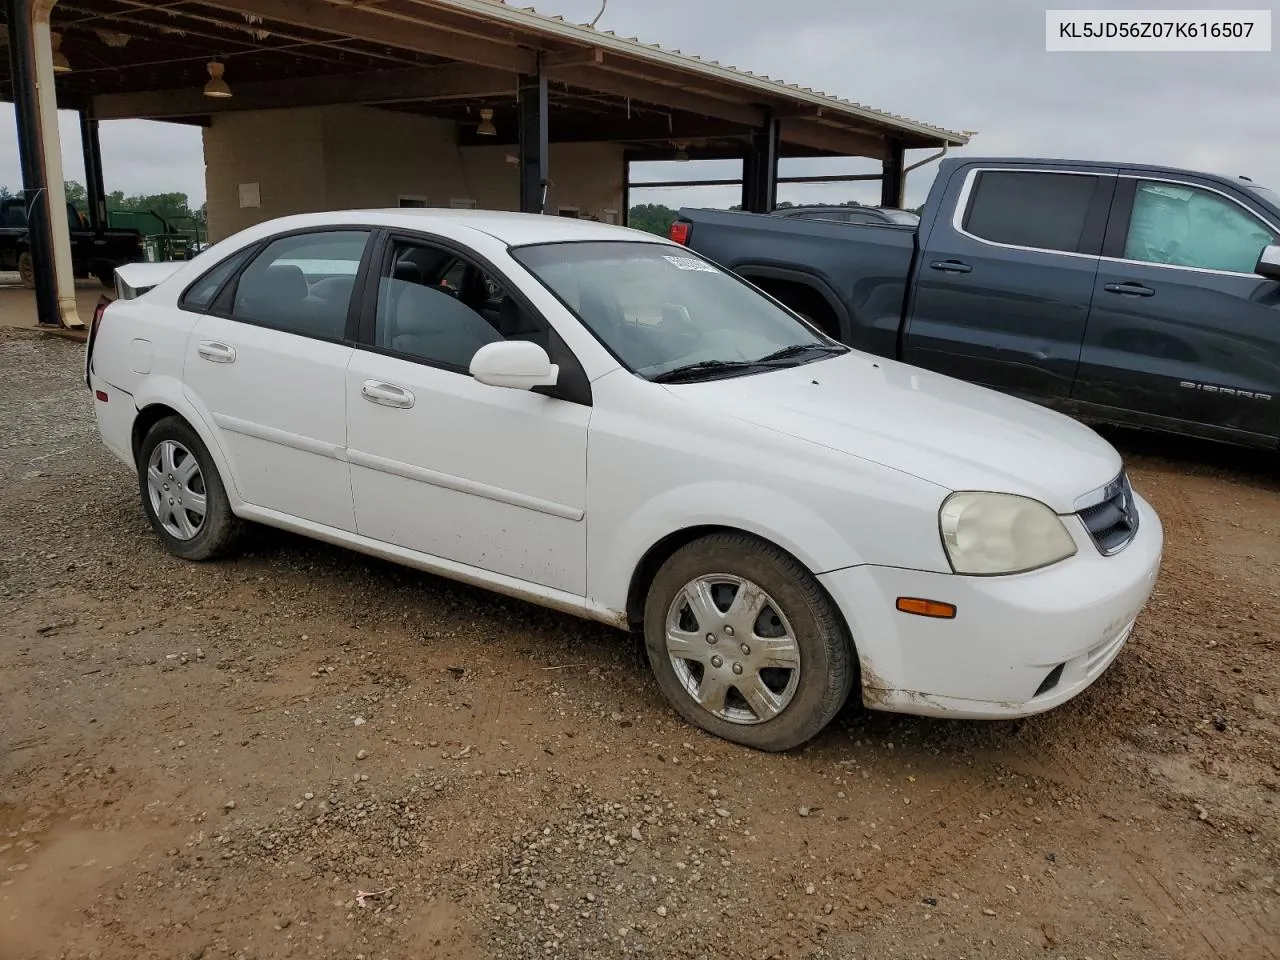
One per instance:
(600, 421)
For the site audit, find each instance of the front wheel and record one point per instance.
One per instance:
(746, 644)
(182, 494)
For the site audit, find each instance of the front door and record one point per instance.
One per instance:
(1002, 291)
(268, 366)
(489, 477)
(1182, 331)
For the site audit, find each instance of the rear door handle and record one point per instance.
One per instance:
(1129, 289)
(387, 394)
(951, 266)
(216, 352)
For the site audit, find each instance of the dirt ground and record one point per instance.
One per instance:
(207, 761)
(18, 304)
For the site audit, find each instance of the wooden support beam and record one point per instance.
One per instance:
(818, 136)
(376, 23)
(646, 129)
(585, 57)
(377, 86)
(603, 81)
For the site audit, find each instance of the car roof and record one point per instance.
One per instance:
(513, 229)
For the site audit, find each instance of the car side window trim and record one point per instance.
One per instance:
(223, 304)
(964, 204)
(574, 388)
(1122, 212)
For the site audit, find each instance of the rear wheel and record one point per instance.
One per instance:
(182, 494)
(746, 644)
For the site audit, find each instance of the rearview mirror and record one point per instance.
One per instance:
(517, 364)
(1269, 263)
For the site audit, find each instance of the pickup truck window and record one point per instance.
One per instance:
(1045, 211)
(658, 308)
(1181, 225)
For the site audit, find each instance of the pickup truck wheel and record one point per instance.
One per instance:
(107, 277)
(27, 270)
(746, 644)
(182, 494)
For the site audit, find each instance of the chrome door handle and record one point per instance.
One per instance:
(216, 352)
(387, 394)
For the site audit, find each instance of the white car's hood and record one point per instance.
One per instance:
(939, 429)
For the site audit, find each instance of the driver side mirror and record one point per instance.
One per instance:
(1269, 263)
(517, 364)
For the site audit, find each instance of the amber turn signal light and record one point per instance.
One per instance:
(927, 608)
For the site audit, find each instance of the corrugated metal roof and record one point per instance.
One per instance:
(527, 18)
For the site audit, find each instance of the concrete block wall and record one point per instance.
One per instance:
(348, 157)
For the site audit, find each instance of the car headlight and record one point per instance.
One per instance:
(992, 533)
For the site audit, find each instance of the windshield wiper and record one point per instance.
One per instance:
(691, 371)
(799, 349)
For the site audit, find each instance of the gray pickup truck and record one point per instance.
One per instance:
(1138, 295)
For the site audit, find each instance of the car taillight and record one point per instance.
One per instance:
(680, 231)
(98, 312)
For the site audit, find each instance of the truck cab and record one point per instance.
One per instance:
(1117, 292)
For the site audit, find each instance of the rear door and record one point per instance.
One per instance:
(1183, 332)
(1003, 285)
(268, 363)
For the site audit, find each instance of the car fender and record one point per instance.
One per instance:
(617, 551)
(170, 392)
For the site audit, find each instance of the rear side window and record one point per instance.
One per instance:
(303, 283)
(199, 296)
(1046, 211)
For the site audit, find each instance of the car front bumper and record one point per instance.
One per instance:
(1018, 645)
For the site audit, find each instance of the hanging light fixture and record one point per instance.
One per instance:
(60, 62)
(216, 87)
(486, 128)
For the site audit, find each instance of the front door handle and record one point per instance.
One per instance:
(951, 266)
(1129, 289)
(387, 394)
(216, 352)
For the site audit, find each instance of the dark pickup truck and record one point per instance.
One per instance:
(1129, 294)
(94, 253)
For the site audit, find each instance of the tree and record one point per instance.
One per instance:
(652, 218)
(77, 195)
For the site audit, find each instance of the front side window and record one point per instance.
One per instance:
(1181, 225)
(439, 308)
(303, 283)
(665, 312)
(1045, 211)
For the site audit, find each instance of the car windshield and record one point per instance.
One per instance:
(666, 313)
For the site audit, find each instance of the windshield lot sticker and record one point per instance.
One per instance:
(688, 263)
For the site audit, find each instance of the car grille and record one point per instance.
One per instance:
(1114, 521)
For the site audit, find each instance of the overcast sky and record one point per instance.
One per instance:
(977, 65)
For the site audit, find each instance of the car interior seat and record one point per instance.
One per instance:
(433, 325)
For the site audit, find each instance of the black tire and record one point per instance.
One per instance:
(827, 663)
(220, 528)
(107, 277)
